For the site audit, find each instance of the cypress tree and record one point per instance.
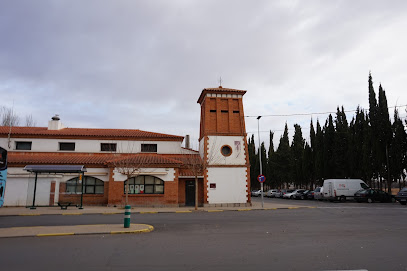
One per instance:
(312, 146)
(254, 163)
(384, 136)
(297, 152)
(269, 172)
(341, 142)
(373, 118)
(319, 154)
(283, 158)
(308, 167)
(329, 146)
(398, 149)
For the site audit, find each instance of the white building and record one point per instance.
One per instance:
(162, 170)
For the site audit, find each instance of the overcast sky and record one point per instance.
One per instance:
(143, 64)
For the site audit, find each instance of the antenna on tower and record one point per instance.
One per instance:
(220, 82)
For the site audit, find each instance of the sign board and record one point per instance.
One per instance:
(3, 174)
(261, 178)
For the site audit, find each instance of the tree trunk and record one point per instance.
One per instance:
(127, 192)
(196, 193)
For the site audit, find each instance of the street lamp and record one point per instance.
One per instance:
(261, 170)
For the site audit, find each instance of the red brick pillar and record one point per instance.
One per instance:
(115, 190)
(52, 194)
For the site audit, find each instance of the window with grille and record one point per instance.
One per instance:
(145, 184)
(91, 185)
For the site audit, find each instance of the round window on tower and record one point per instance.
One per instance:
(226, 150)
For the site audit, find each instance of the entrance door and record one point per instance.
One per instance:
(190, 193)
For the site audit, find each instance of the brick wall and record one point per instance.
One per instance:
(88, 199)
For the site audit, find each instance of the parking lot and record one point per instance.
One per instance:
(327, 204)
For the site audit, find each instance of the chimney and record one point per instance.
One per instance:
(55, 123)
(187, 145)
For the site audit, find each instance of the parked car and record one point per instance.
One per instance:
(319, 193)
(282, 192)
(272, 193)
(310, 194)
(256, 193)
(402, 196)
(290, 194)
(371, 195)
(341, 189)
(301, 194)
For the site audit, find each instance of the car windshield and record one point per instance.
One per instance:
(364, 186)
(404, 189)
(317, 189)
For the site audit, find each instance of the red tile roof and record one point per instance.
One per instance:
(140, 160)
(100, 160)
(84, 133)
(219, 90)
(14, 158)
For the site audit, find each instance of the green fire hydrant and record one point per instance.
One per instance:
(127, 213)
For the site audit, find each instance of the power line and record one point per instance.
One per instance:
(310, 114)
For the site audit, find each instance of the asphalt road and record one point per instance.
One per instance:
(347, 236)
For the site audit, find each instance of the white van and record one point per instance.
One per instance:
(342, 189)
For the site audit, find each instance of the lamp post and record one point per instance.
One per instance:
(82, 179)
(261, 170)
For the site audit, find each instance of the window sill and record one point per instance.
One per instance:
(85, 195)
(144, 195)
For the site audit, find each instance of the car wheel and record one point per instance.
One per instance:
(393, 200)
(369, 200)
(342, 199)
(402, 202)
(292, 197)
(302, 197)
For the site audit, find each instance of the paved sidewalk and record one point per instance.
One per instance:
(110, 228)
(72, 210)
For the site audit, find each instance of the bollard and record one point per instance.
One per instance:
(127, 213)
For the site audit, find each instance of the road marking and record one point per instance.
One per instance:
(212, 211)
(148, 212)
(183, 211)
(73, 214)
(29, 214)
(244, 209)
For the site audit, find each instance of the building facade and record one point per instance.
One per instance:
(134, 166)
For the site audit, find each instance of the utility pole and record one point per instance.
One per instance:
(261, 170)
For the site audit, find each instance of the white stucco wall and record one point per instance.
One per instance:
(236, 143)
(20, 191)
(230, 185)
(20, 185)
(165, 174)
(93, 146)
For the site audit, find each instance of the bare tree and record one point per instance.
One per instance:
(196, 165)
(29, 121)
(130, 165)
(8, 117)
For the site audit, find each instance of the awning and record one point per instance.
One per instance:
(55, 168)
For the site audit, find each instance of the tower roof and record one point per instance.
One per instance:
(219, 90)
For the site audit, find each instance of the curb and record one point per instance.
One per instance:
(148, 228)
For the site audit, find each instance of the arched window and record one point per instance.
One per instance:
(145, 184)
(91, 185)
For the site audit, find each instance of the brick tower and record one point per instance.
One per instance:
(223, 147)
